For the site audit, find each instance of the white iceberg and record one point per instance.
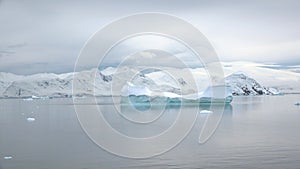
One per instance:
(206, 112)
(7, 157)
(28, 99)
(30, 119)
(139, 94)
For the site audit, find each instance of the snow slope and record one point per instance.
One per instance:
(286, 80)
(242, 84)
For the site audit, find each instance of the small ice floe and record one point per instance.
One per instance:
(297, 104)
(35, 97)
(43, 98)
(28, 99)
(206, 112)
(7, 157)
(30, 119)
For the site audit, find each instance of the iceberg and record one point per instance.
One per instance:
(7, 157)
(141, 95)
(30, 119)
(28, 99)
(205, 112)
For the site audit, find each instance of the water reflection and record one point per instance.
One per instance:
(258, 132)
(136, 120)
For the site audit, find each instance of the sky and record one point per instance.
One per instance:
(47, 36)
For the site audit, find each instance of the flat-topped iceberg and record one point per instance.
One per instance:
(142, 94)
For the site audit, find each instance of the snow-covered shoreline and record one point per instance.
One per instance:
(99, 83)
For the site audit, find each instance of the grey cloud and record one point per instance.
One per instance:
(55, 31)
(15, 46)
(9, 50)
(37, 67)
(6, 52)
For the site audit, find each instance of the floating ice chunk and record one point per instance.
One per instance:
(206, 112)
(42, 97)
(7, 157)
(35, 97)
(30, 119)
(45, 98)
(28, 99)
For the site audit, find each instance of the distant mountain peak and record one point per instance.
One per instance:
(241, 84)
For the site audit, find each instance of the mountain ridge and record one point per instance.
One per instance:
(60, 85)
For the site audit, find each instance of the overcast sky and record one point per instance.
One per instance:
(46, 36)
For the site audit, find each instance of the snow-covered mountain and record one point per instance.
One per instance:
(172, 80)
(242, 84)
(286, 80)
(37, 85)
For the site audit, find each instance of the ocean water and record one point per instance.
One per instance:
(254, 132)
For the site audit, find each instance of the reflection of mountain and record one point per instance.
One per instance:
(177, 82)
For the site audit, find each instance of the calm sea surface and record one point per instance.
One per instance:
(254, 132)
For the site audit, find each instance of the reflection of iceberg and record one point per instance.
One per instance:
(143, 95)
